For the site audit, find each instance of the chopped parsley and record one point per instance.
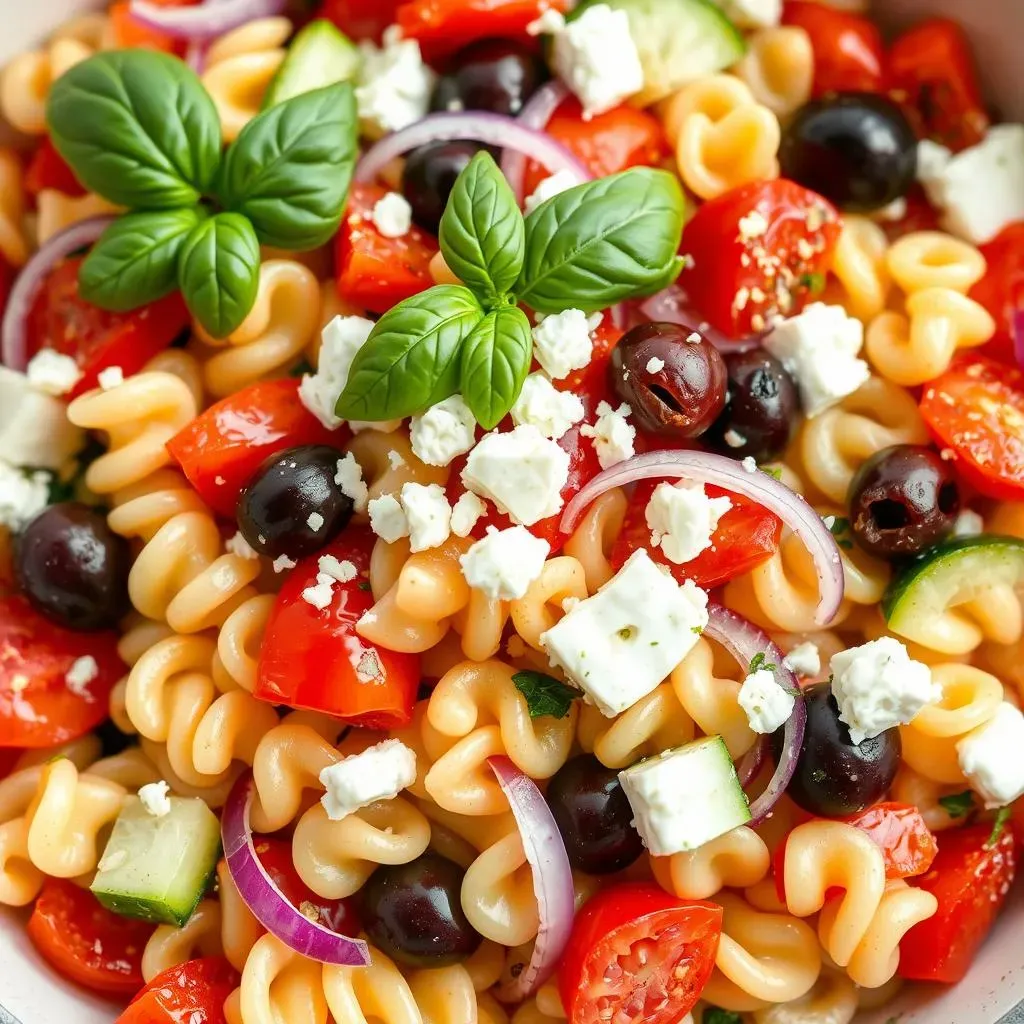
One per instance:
(957, 805)
(364, 584)
(716, 1015)
(775, 472)
(840, 529)
(760, 661)
(814, 283)
(1002, 817)
(545, 695)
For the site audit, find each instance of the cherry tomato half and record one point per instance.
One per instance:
(1001, 290)
(189, 993)
(48, 169)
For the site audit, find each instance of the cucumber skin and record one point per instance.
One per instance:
(309, 36)
(154, 911)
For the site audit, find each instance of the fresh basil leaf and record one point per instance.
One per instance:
(290, 167)
(495, 362)
(758, 662)
(137, 127)
(545, 695)
(135, 261)
(1002, 817)
(219, 272)
(958, 805)
(482, 234)
(599, 243)
(410, 361)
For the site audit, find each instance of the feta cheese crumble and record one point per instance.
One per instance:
(238, 545)
(505, 562)
(380, 772)
(349, 478)
(968, 524)
(521, 471)
(53, 439)
(428, 514)
(655, 365)
(110, 378)
(387, 518)
(548, 188)
(23, 495)
(682, 519)
(341, 339)
(155, 799)
(466, 512)
(619, 644)
(990, 757)
(734, 439)
(819, 348)
(392, 215)
(562, 342)
(81, 673)
(749, 464)
(804, 660)
(613, 436)
(878, 686)
(540, 404)
(766, 704)
(549, 23)
(314, 521)
(444, 431)
(395, 459)
(340, 569)
(53, 373)
(394, 85)
(321, 593)
(283, 562)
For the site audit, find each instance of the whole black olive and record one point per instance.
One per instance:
(902, 500)
(429, 174)
(497, 75)
(855, 148)
(73, 567)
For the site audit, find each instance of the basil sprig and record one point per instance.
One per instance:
(586, 248)
(139, 128)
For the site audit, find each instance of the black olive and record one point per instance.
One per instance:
(497, 75)
(429, 174)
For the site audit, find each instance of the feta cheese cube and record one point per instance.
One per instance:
(596, 57)
(819, 348)
(23, 495)
(387, 518)
(466, 512)
(804, 660)
(428, 514)
(613, 436)
(238, 545)
(766, 704)
(878, 686)
(542, 405)
(314, 521)
(53, 373)
(619, 644)
(754, 13)
(521, 471)
(380, 772)
(81, 673)
(505, 562)
(990, 757)
(682, 519)
(655, 365)
(749, 464)
(110, 378)
(968, 524)
(392, 215)
(349, 478)
(154, 798)
(394, 85)
(979, 190)
(444, 431)
(53, 439)
(340, 569)
(548, 188)
(283, 562)
(341, 339)
(562, 342)
(321, 593)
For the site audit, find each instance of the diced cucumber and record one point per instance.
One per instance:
(159, 868)
(946, 575)
(685, 797)
(318, 56)
(679, 41)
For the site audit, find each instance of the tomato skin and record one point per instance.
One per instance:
(687, 933)
(1001, 290)
(230, 440)
(86, 942)
(95, 338)
(375, 272)
(618, 139)
(360, 19)
(970, 880)
(724, 270)
(848, 52)
(309, 657)
(7, 276)
(975, 411)
(933, 75)
(130, 32)
(193, 991)
(45, 712)
(48, 169)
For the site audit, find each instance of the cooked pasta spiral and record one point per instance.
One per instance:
(592, 540)
(778, 68)
(498, 896)
(933, 259)
(859, 265)
(831, 1000)
(13, 240)
(169, 945)
(56, 212)
(735, 860)
(540, 607)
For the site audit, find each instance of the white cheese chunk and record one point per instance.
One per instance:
(521, 471)
(562, 342)
(23, 495)
(428, 514)
(340, 569)
(548, 188)
(82, 672)
(321, 593)
(53, 373)
(392, 215)
(613, 435)
(380, 772)
(804, 660)
(349, 478)
(394, 85)
(387, 518)
(968, 524)
(314, 521)
(154, 798)
(765, 703)
(990, 757)
(53, 439)
(238, 545)
(505, 562)
(110, 378)
(655, 365)
(682, 519)
(878, 686)
(619, 644)
(341, 339)
(542, 405)
(819, 348)
(283, 562)
(444, 431)
(466, 512)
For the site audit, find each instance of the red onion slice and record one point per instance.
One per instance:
(724, 472)
(672, 305)
(742, 639)
(1017, 330)
(535, 115)
(750, 763)
(552, 878)
(269, 905)
(14, 329)
(204, 20)
(493, 129)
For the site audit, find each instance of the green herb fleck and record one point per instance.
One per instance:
(760, 661)
(716, 1015)
(545, 695)
(840, 529)
(957, 805)
(697, 629)
(301, 368)
(1002, 817)
(364, 584)
(814, 283)
(775, 472)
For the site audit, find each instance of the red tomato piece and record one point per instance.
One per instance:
(220, 450)
(899, 830)
(360, 19)
(373, 271)
(920, 215)
(620, 138)
(664, 947)
(7, 276)
(86, 942)
(975, 410)
(738, 281)
(848, 54)
(8, 758)
(746, 535)
(130, 32)
(591, 382)
(192, 992)
(37, 709)
(316, 660)
(442, 26)
(970, 878)
(95, 338)
(1001, 290)
(933, 74)
(48, 169)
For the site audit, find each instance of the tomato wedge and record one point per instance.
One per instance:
(190, 993)
(129, 32)
(87, 943)
(1001, 290)
(37, 708)
(315, 659)
(637, 955)
(221, 449)
(976, 412)
(360, 19)
(48, 169)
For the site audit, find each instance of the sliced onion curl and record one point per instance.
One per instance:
(536, 113)
(743, 640)
(672, 305)
(492, 129)
(1018, 336)
(203, 21)
(14, 329)
(552, 878)
(269, 905)
(730, 475)
(751, 762)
